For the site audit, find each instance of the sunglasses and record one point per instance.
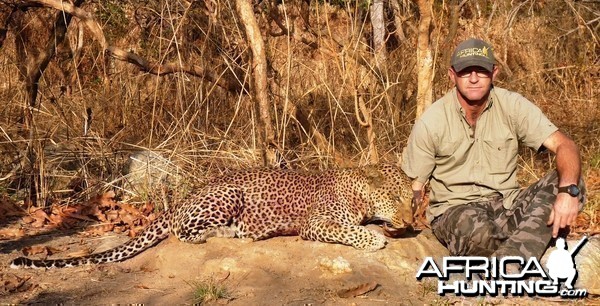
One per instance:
(466, 73)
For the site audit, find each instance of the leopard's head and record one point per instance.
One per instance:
(390, 195)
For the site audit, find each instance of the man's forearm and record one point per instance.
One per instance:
(568, 163)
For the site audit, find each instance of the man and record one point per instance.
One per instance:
(466, 146)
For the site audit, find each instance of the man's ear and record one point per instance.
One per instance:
(452, 75)
(495, 72)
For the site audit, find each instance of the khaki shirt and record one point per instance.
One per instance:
(465, 165)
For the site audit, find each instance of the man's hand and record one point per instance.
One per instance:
(417, 201)
(564, 212)
(418, 196)
(568, 165)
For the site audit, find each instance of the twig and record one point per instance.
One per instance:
(577, 28)
(570, 3)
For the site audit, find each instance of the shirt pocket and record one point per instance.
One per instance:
(447, 148)
(500, 154)
(446, 153)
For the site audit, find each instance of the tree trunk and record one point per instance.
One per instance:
(399, 32)
(259, 77)
(32, 68)
(448, 44)
(378, 24)
(424, 58)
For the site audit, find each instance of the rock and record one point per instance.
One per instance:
(407, 254)
(338, 265)
(150, 175)
(587, 263)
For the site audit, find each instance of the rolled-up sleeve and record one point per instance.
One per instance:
(418, 158)
(533, 127)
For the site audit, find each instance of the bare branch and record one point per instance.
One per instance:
(398, 20)
(359, 104)
(284, 30)
(86, 17)
(3, 29)
(359, 107)
(230, 84)
(315, 135)
(582, 22)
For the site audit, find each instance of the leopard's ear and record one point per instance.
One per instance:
(373, 175)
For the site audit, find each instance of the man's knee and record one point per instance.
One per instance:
(455, 222)
(486, 234)
(472, 236)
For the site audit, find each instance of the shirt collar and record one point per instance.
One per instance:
(459, 108)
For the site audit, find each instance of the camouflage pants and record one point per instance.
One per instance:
(488, 229)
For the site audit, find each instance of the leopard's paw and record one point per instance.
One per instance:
(375, 241)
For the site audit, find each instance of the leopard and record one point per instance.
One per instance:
(331, 206)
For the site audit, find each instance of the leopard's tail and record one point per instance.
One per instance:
(158, 230)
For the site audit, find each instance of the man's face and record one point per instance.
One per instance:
(473, 83)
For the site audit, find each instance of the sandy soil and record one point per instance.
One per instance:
(278, 271)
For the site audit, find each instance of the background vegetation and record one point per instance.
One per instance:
(334, 99)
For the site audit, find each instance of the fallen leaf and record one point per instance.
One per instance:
(93, 210)
(36, 250)
(134, 231)
(107, 199)
(128, 208)
(11, 233)
(55, 250)
(57, 219)
(79, 217)
(112, 215)
(39, 216)
(27, 219)
(9, 208)
(39, 249)
(147, 209)
(10, 283)
(128, 218)
(99, 230)
(82, 252)
(358, 290)
(142, 286)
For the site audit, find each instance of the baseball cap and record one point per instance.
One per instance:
(473, 52)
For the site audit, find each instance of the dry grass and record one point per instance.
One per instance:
(209, 291)
(548, 50)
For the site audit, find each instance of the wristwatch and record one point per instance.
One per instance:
(572, 190)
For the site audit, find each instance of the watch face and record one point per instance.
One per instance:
(573, 190)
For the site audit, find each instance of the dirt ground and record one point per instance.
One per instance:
(278, 271)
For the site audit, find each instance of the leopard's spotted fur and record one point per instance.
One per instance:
(328, 206)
